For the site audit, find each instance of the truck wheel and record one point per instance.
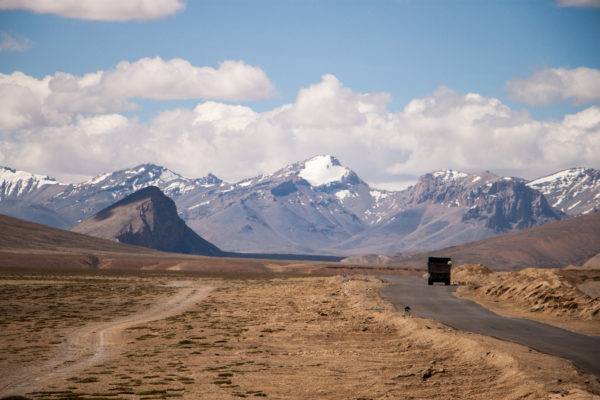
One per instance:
(447, 282)
(429, 281)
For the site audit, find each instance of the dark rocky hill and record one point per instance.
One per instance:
(147, 218)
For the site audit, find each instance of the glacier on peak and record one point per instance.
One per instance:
(323, 170)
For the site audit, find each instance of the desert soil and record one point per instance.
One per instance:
(565, 297)
(171, 336)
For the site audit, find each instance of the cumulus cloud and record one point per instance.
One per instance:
(582, 85)
(28, 101)
(329, 103)
(13, 43)
(445, 129)
(154, 78)
(104, 10)
(578, 3)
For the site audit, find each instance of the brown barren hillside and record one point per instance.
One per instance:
(571, 241)
(18, 234)
(593, 262)
(27, 244)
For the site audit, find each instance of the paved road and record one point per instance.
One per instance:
(437, 302)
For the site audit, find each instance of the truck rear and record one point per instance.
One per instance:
(438, 269)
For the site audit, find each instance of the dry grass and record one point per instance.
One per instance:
(36, 313)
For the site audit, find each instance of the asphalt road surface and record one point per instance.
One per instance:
(437, 302)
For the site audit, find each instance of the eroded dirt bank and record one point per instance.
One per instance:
(278, 338)
(565, 297)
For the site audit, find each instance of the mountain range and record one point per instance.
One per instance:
(572, 241)
(319, 206)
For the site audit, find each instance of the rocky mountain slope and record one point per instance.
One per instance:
(572, 241)
(448, 207)
(146, 218)
(319, 206)
(574, 191)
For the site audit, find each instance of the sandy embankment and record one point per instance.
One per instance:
(331, 338)
(565, 297)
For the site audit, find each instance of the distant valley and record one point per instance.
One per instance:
(319, 206)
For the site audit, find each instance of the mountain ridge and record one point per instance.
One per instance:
(554, 245)
(318, 206)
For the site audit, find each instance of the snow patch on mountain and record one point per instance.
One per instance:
(323, 170)
(245, 183)
(378, 194)
(342, 194)
(558, 179)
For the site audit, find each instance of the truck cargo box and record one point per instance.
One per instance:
(438, 269)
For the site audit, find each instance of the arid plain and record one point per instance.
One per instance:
(96, 334)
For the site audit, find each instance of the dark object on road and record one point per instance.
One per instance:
(439, 270)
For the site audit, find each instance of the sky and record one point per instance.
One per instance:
(393, 88)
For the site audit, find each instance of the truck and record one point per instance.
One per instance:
(438, 269)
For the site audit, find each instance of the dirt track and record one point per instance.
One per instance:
(91, 344)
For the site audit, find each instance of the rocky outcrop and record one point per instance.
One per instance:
(147, 218)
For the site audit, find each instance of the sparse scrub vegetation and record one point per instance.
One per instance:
(347, 345)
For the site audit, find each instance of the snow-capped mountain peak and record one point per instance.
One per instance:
(573, 191)
(448, 175)
(16, 183)
(144, 175)
(323, 170)
(150, 171)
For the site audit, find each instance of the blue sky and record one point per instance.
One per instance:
(407, 49)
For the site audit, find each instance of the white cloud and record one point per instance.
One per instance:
(329, 103)
(578, 3)
(103, 10)
(28, 101)
(443, 130)
(154, 78)
(13, 43)
(548, 86)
